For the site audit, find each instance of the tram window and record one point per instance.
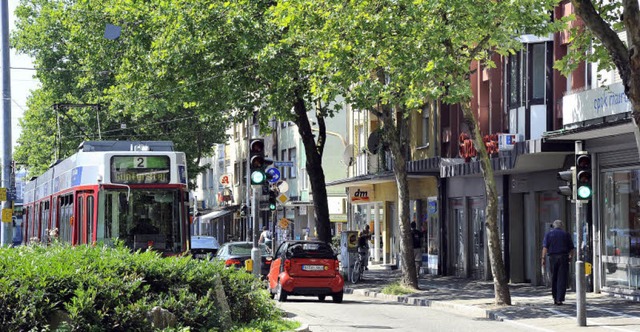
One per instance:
(124, 203)
(43, 222)
(90, 219)
(55, 218)
(80, 220)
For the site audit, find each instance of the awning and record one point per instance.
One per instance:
(215, 214)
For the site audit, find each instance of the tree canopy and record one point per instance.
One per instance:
(393, 57)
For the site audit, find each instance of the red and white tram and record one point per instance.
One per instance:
(135, 191)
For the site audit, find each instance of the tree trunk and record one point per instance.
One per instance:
(314, 169)
(394, 135)
(500, 281)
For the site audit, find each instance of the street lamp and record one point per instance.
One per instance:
(333, 133)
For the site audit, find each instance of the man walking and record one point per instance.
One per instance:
(416, 237)
(558, 246)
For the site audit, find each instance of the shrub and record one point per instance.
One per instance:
(88, 288)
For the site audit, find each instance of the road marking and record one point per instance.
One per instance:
(614, 312)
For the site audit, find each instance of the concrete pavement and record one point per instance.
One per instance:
(532, 306)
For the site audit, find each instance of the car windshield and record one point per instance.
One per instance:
(204, 242)
(311, 250)
(244, 249)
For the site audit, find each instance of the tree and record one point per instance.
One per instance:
(181, 70)
(392, 57)
(604, 19)
(77, 65)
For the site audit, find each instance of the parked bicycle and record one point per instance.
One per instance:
(358, 268)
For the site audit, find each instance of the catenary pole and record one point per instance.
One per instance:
(6, 121)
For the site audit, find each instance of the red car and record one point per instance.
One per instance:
(307, 268)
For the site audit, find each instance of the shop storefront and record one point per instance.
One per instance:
(425, 213)
(621, 229)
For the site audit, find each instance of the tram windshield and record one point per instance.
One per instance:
(146, 218)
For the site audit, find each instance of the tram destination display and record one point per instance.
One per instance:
(140, 169)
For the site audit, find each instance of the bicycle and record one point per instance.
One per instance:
(358, 268)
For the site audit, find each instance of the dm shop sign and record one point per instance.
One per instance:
(360, 194)
(594, 103)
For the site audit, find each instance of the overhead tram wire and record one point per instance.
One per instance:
(141, 97)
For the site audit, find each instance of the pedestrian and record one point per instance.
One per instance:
(363, 245)
(265, 236)
(559, 248)
(416, 237)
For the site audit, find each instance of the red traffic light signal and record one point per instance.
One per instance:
(256, 154)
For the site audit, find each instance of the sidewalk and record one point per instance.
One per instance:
(531, 305)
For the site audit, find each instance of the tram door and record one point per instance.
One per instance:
(85, 218)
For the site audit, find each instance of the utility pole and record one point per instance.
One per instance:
(6, 229)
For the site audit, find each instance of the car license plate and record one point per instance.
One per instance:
(201, 256)
(312, 267)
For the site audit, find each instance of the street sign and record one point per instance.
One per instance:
(283, 186)
(282, 198)
(226, 179)
(3, 194)
(283, 223)
(6, 215)
(283, 163)
(275, 174)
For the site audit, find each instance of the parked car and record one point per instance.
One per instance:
(236, 253)
(307, 268)
(204, 247)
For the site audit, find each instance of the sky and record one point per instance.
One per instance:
(22, 81)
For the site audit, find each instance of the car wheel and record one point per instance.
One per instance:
(321, 297)
(337, 297)
(281, 294)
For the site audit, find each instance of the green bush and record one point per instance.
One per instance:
(396, 288)
(86, 288)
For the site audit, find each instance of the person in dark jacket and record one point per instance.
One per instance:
(559, 248)
(416, 237)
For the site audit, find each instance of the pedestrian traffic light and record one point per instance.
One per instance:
(272, 200)
(584, 190)
(567, 189)
(257, 161)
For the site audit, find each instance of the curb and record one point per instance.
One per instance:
(424, 302)
(303, 328)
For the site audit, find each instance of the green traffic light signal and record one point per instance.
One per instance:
(272, 200)
(584, 192)
(258, 177)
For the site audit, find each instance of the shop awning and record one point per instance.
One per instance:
(215, 214)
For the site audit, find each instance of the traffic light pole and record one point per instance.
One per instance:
(256, 191)
(581, 313)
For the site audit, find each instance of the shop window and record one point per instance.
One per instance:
(621, 219)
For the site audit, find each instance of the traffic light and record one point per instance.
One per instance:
(257, 161)
(272, 200)
(584, 190)
(567, 189)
